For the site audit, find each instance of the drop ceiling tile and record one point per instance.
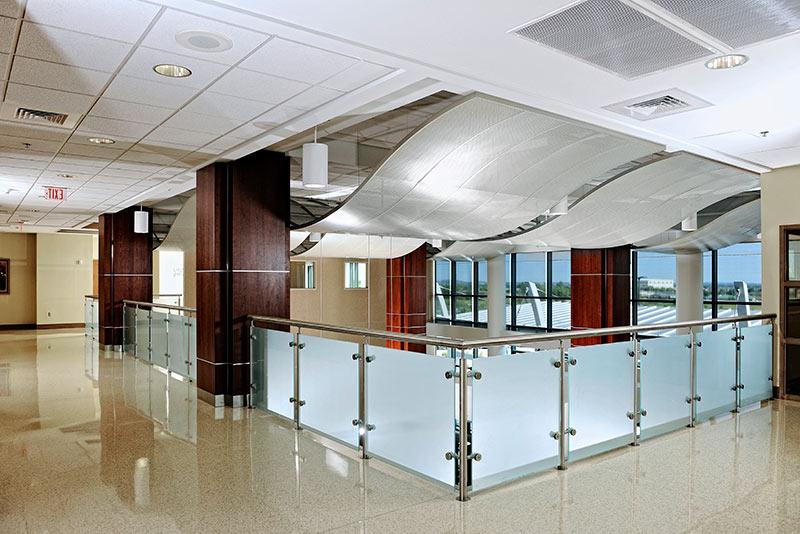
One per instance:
(72, 159)
(129, 111)
(313, 97)
(123, 21)
(57, 76)
(157, 160)
(296, 61)
(279, 115)
(359, 74)
(119, 176)
(186, 120)
(146, 92)
(18, 172)
(141, 63)
(102, 153)
(231, 107)
(7, 34)
(26, 130)
(83, 140)
(256, 86)
(3, 65)
(11, 8)
(22, 163)
(70, 48)
(175, 136)
(48, 99)
(113, 128)
(71, 168)
(166, 33)
(221, 145)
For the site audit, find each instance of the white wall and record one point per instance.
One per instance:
(63, 277)
(780, 205)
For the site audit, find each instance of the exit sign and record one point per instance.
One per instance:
(54, 193)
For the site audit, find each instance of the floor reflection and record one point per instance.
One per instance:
(96, 442)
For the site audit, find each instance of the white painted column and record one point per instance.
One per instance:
(496, 297)
(689, 287)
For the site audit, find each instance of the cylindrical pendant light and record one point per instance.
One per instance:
(561, 208)
(689, 224)
(141, 222)
(314, 237)
(315, 164)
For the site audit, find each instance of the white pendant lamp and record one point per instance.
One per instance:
(141, 222)
(315, 164)
(314, 237)
(689, 224)
(436, 243)
(561, 208)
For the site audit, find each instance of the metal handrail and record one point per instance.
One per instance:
(157, 305)
(462, 344)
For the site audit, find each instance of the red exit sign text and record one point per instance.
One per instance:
(54, 193)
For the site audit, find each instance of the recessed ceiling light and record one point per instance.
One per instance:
(65, 175)
(727, 61)
(172, 71)
(201, 41)
(101, 141)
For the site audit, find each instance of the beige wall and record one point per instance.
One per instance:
(64, 264)
(329, 302)
(190, 278)
(780, 205)
(19, 305)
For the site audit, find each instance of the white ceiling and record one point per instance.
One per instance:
(467, 42)
(360, 246)
(93, 60)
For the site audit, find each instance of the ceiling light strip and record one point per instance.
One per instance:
(678, 25)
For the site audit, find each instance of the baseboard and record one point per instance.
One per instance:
(27, 326)
(60, 325)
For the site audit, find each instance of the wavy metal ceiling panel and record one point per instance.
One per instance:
(481, 168)
(640, 204)
(360, 246)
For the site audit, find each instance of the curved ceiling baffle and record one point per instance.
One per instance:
(738, 225)
(640, 204)
(360, 246)
(480, 168)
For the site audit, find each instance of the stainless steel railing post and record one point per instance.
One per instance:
(738, 385)
(772, 355)
(166, 340)
(296, 346)
(692, 399)
(363, 427)
(188, 325)
(563, 418)
(150, 335)
(135, 331)
(636, 415)
(463, 414)
(251, 336)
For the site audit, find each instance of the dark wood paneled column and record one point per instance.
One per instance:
(125, 271)
(406, 287)
(601, 291)
(242, 265)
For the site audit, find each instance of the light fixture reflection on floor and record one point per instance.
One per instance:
(727, 61)
(101, 141)
(315, 164)
(172, 71)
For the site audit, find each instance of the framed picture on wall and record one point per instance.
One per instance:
(4, 283)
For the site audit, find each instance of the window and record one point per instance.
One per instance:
(653, 288)
(732, 285)
(355, 275)
(301, 274)
(460, 292)
(538, 291)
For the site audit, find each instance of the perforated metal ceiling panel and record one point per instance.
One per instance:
(738, 22)
(614, 37)
(641, 203)
(480, 169)
(360, 246)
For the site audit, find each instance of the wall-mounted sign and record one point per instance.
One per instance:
(54, 193)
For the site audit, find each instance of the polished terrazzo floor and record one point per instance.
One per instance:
(96, 443)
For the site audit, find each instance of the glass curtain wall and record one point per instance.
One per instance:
(654, 282)
(460, 292)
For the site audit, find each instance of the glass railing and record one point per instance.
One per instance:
(161, 334)
(173, 299)
(91, 321)
(432, 405)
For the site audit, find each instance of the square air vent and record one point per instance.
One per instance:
(37, 115)
(656, 105)
(13, 111)
(613, 36)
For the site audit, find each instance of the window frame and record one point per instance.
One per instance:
(474, 295)
(366, 273)
(548, 297)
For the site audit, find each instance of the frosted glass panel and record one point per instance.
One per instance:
(666, 384)
(192, 347)
(756, 363)
(280, 373)
(716, 373)
(177, 345)
(411, 404)
(182, 415)
(143, 334)
(601, 395)
(259, 372)
(515, 407)
(158, 338)
(128, 331)
(329, 386)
